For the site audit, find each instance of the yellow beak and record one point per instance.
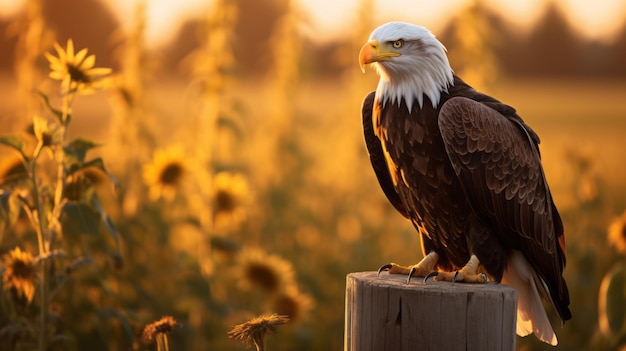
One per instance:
(372, 52)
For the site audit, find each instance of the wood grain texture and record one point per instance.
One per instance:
(383, 313)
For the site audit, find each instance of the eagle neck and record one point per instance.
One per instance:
(413, 88)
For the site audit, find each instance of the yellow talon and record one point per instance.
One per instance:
(467, 274)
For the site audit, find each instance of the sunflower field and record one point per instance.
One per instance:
(194, 205)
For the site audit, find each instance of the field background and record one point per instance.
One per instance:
(286, 116)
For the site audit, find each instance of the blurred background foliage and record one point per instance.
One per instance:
(245, 187)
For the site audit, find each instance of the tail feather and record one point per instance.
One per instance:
(531, 315)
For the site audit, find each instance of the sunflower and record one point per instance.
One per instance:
(229, 193)
(165, 173)
(270, 273)
(47, 133)
(75, 70)
(617, 233)
(253, 331)
(19, 273)
(292, 303)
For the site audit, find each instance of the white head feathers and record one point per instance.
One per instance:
(421, 68)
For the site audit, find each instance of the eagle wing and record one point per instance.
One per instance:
(498, 165)
(377, 156)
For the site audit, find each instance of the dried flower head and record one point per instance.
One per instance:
(268, 272)
(292, 303)
(165, 172)
(163, 326)
(617, 233)
(253, 331)
(230, 191)
(75, 70)
(19, 273)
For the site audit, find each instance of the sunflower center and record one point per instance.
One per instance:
(263, 276)
(171, 174)
(225, 201)
(47, 139)
(77, 75)
(22, 270)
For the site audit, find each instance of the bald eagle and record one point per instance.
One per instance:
(466, 170)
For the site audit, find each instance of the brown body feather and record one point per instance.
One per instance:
(468, 174)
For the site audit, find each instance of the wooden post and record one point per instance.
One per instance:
(384, 313)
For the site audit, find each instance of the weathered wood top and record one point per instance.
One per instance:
(398, 281)
(385, 313)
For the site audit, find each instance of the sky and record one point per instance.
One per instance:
(330, 18)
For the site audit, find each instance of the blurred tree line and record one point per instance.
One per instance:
(552, 48)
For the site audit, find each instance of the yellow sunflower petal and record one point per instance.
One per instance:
(99, 71)
(80, 56)
(164, 173)
(58, 66)
(57, 75)
(70, 50)
(87, 63)
(60, 52)
(51, 58)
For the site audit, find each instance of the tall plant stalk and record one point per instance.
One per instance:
(39, 228)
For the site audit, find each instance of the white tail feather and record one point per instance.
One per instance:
(531, 316)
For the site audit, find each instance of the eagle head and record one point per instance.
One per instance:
(410, 61)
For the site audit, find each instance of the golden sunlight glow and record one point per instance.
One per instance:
(330, 19)
(224, 172)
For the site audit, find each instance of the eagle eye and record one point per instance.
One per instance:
(398, 43)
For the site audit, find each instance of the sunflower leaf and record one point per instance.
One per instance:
(9, 211)
(78, 218)
(15, 142)
(222, 243)
(46, 101)
(76, 151)
(51, 255)
(109, 313)
(99, 164)
(230, 124)
(78, 263)
(106, 220)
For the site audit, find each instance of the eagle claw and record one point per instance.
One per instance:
(384, 267)
(456, 274)
(411, 272)
(431, 274)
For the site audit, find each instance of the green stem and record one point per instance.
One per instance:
(162, 342)
(58, 196)
(39, 228)
(60, 153)
(67, 102)
(260, 344)
(39, 225)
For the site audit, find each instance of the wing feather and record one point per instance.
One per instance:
(377, 157)
(498, 164)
